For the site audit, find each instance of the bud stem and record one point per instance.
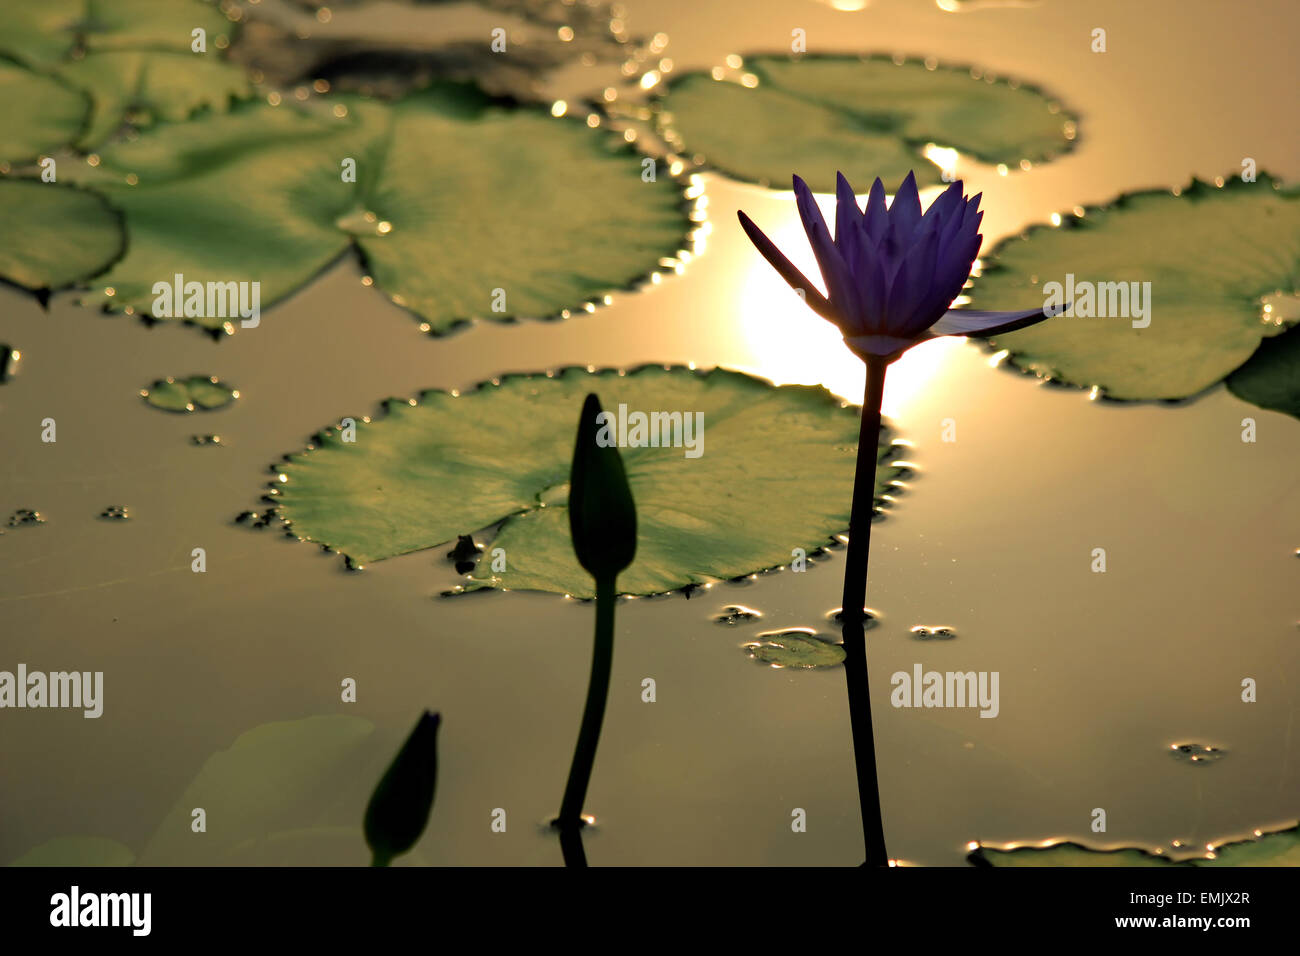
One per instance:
(852, 614)
(593, 714)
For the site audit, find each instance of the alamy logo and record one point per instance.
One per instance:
(948, 689)
(653, 430)
(55, 689)
(1126, 300)
(179, 299)
(102, 909)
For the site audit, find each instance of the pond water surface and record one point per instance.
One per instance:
(1101, 675)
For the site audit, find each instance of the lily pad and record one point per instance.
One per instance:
(92, 64)
(462, 207)
(41, 32)
(196, 393)
(263, 785)
(797, 648)
(77, 851)
(37, 249)
(1271, 377)
(775, 473)
(1211, 256)
(42, 113)
(1279, 848)
(866, 116)
(152, 24)
(151, 86)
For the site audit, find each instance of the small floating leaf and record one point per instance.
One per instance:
(797, 647)
(868, 117)
(775, 472)
(198, 392)
(1210, 256)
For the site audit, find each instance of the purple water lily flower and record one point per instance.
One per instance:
(891, 272)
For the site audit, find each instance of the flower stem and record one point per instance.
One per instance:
(593, 714)
(853, 617)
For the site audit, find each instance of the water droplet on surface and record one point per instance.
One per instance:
(733, 614)
(938, 633)
(205, 440)
(1195, 753)
(836, 616)
(115, 513)
(25, 518)
(9, 357)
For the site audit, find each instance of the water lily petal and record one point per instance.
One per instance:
(947, 204)
(875, 220)
(908, 306)
(848, 222)
(873, 286)
(978, 324)
(838, 278)
(786, 269)
(905, 213)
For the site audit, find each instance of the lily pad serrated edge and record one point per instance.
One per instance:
(670, 135)
(977, 858)
(1069, 220)
(615, 145)
(894, 449)
(690, 210)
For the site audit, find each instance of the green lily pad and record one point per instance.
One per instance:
(798, 648)
(139, 63)
(42, 253)
(866, 116)
(77, 851)
(456, 197)
(153, 24)
(1271, 377)
(775, 474)
(37, 33)
(263, 785)
(1211, 256)
(42, 113)
(43, 33)
(1279, 848)
(196, 393)
(151, 86)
